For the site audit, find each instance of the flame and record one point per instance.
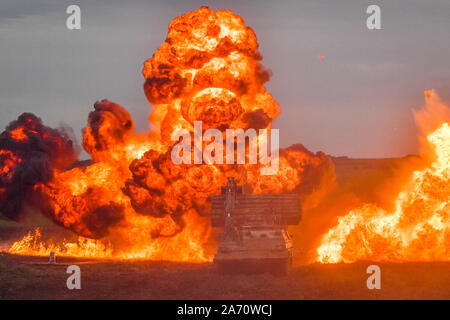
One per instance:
(31, 244)
(132, 201)
(18, 134)
(419, 227)
(10, 161)
(184, 247)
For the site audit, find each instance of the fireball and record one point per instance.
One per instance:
(131, 201)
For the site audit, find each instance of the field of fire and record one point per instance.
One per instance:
(233, 153)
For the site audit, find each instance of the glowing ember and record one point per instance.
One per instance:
(18, 134)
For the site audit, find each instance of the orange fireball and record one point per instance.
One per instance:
(131, 198)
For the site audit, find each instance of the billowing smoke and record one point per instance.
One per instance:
(108, 126)
(76, 199)
(29, 152)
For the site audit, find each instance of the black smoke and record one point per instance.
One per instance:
(29, 152)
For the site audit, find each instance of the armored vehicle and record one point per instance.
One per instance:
(254, 229)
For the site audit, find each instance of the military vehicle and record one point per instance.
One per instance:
(254, 229)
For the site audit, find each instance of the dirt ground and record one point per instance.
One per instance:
(32, 278)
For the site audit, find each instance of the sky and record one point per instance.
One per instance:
(354, 102)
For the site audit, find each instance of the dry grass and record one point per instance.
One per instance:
(26, 278)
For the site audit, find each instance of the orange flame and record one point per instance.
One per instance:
(31, 244)
(10, 161)
(419, 227)
(18, 134)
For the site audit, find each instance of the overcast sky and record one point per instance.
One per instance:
(356, 102)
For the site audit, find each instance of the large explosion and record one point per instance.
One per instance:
(418, 229)
(131, 200)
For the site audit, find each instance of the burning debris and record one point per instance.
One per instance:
(133, 201)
